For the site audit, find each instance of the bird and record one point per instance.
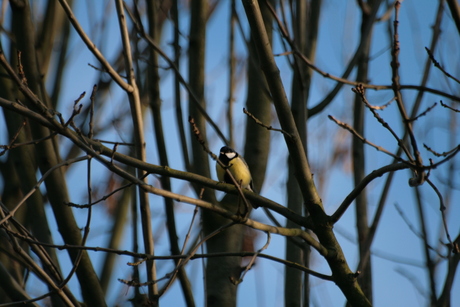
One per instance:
(236, 165)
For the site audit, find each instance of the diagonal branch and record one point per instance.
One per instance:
(357, 190)
(92, 47)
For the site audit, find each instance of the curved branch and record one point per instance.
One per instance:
(358, 189)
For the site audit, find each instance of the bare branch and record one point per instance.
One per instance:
(449, 107)
(357, 190)
(257, 121)
(364, 140)
(437, 65)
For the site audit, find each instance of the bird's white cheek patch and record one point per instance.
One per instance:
(230, 155)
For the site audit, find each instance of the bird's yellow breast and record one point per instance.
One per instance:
(239, 171)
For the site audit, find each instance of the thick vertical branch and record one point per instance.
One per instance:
(139, 143)
(455, 11)
(177, 82)
(336, 259)
(415, 109)
(116, 236)
(62, 62)
(258, 102)
(358, 150)
(92, 47)
(231, 73)
(196, 57)
(396, 86)
(293, 282)
(444, 299)
(48, 156)
(219, 290)
(351, 64)
(426, 247)
(272, 75)
(153, 88)
(51, 28)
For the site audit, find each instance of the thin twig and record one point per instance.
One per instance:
(360, 91)
(449, 107)
(113, 142)
(443, 154)
(195, 100)
(382, 107)
(448, 156)
(423, 113)
(33, 142)
(437, 65)
(407, 222)
(184, 262)
(179, 262)
(92, 47)
(419, 177)
(15, 136)
(105, 197)
(253, 259)
(39, 182)
(75, 111)
(364, 140)
(168, 257)
(32, 265)
(257, 121)
(442, 208)
(78, 258)
(358, 189)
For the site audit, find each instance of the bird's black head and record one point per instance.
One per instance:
(227, 154)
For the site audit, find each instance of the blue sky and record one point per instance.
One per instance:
(395, 243)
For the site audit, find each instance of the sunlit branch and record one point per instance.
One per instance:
(92, 47)
(169, 257)
(140, 152)
(96, 148)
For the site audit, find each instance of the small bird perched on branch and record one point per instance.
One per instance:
(236, 165)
